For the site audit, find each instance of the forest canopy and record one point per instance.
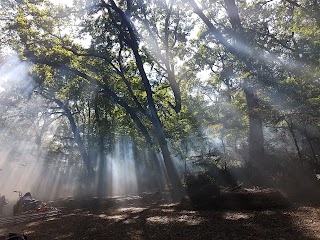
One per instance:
(134, 94)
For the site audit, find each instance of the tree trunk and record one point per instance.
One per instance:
(177, 187)
(293, 135)
(101, 188)
(76, 133)
(132, 42)
(314, 155)
(256, 138)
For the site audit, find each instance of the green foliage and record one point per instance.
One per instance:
(196, 83)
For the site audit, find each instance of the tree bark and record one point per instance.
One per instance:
(293, 135)
(173, 175)
(314, 155)
(101, 188)
(256, 138)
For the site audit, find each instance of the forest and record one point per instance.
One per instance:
(200, 102)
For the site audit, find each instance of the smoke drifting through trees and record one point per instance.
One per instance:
(27, 161)
(124, 113)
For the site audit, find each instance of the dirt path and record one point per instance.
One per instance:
(145, 217)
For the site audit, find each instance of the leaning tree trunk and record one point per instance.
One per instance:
(177, 187)
(158, 129)
(294, 137)
(79, 141)
(131, 40)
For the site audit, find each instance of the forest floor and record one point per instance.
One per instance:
(252, 213)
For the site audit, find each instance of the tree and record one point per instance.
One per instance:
(58, 57)
(256, 145)
(142, 74)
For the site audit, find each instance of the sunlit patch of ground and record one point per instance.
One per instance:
(186, 219)
(115, 218)
(32, 224)
(126, 198)
(167, 210)
(131, 209)
(237, 215)
(66, 236)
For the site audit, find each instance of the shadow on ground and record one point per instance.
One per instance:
(146, 217)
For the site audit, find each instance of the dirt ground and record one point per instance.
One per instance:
(246, 214)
